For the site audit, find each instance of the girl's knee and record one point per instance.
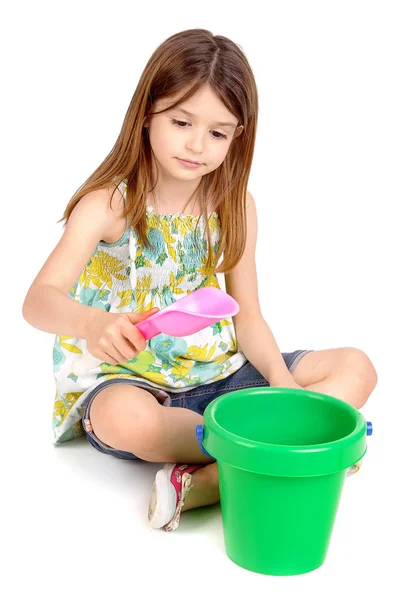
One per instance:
(127, 419)
(360, 365)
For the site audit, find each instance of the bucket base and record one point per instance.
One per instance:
(278, 525)
(278, 573)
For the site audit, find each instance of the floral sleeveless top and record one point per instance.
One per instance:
(125, 276)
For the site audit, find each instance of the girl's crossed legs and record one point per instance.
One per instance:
(130, 421)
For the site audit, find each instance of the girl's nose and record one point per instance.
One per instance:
(196, 143)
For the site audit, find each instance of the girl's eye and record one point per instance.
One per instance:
(182, 123)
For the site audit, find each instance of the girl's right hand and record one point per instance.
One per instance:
(113, 337)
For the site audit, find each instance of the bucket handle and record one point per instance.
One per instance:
(369, 428)
(199, 437)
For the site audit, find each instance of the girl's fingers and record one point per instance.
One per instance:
(117, 356)
(126, 348)
(133, 336)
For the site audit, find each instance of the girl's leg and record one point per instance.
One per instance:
(346, 373)
(129, 418)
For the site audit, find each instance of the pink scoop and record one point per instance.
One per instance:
(188, 315)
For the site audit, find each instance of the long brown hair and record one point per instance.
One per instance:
(187, 60)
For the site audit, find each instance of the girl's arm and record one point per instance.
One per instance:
(47, 306)
(259, 346)
(252, 332)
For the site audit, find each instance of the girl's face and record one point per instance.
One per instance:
(197, 137)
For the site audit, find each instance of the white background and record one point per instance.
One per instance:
(325, 181)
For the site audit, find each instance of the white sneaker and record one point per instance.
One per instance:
(169, 492)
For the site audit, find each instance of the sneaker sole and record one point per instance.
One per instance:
(163, 499)
(353, 470)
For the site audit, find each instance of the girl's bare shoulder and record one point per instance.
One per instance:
(117, 222)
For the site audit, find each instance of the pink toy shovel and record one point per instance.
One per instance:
(188, 315)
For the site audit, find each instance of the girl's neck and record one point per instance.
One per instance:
(164, 206)
(168, 206)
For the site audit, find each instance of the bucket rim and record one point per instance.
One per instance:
(348, 439)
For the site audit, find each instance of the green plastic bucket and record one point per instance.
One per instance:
(282, 457)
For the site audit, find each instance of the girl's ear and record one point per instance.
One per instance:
(238, 131)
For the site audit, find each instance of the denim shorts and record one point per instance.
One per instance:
(196, 399)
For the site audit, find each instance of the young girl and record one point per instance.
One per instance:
(166, 211)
